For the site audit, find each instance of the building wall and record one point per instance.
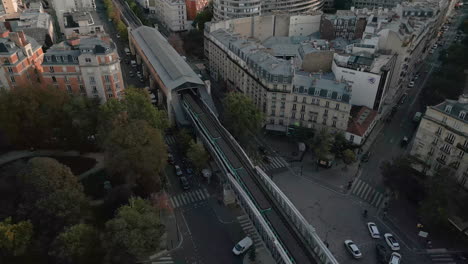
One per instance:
(83, 30)
(194, 7)
(363, 84)
(10, 6)
(173, 14)
(318, 61)
(280, 104)
(441, 141)
(304, 25)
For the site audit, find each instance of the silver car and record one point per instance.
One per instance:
(391, 242)
(353, 249)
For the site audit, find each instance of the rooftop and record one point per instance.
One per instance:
(170, 66)
(456, 109)
(86, 45)
(72, 19)
(361, 120)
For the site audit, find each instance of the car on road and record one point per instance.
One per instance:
(416, 77)
(391, 242)
(382, 253)
(411, 84)
(184, 183)
(353, 249)
(118, 35)
(395, 258)
(373, 230)
(404, 142)
(178, 170)
(366, 157)
(417, 117)
(130, 73)
(403, 98)
(242, 246)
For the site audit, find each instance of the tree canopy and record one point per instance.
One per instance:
(349, 156)
(52, 197)
(241, 116)
(198, 155)
(78, 244)
(321, 144)
(15, 238)
(136, 230)
(135, 152)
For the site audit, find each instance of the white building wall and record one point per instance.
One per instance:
(364, 85)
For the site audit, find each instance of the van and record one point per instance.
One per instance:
(127, 51)
(242, 246)
(417, 117)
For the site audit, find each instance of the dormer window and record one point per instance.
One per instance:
(448, 108)
(462, 115)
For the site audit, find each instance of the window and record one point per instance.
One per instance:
(303, 108)
(302, 116)
(295, 98)
(94, 89)
(69, 89)
(327, 104)
(448, 108)
(334, 123)
(444, 119)
(446, 148)
(110, 95)
(272, 112)
(79, 79)
(51, 69)
(293, 115)
(82, 89)
(461, 153)
(66, 79)
(108, 88)
(107, 78)
(12, 78)
(442, 157)
(439, 131)
(92, 80)
(54, 80)
(337, 106)
(462, 115)
(326, 112)
(304, 100)
(450, 138)
(10, 69)
(87, 59)
(465, 144)
(431, 151)
(294, 107)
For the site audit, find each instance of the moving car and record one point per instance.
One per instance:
(382, 253)
(373, 230)
(395, 258)
(366, 156)
(403, 98)
(391, 242)
(404, 142)
(411, 84)
(353, 249)
(178, 170)
(184, 183)
(242, 246)
(417, 117)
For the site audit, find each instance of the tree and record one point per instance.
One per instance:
(241, 115)
(52, 197)
(32, 116)
(340, 144)
(321, 144)
(77, 244)
(349, 156)
(15, 238)
(204, 16)
(198, 155)
(135, 153)
(136, 230)
(184, 139)
(399, 175)
(122, 29)
(136, 105)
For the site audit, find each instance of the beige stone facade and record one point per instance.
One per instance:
(442, 139)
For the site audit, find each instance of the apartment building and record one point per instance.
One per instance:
(229, 9)
(172, 13)
(249, 61)
(87, 66)
(20, 57)
(194, 7)
(442, 139)
(343, 24)
(65, 6)
(9, 6)
(80, 23)
(368, 73)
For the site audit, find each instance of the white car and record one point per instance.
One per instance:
(178, 170)
(373, 230)
(391, 242)
(411, 84)
(242, 246)
(353, 249)
(395, 258)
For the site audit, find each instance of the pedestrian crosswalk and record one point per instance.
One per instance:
(163, 260)
(189, 197)
(367, 193)
(250, 230)
(274, 163)
(170, 139)
(440, 256)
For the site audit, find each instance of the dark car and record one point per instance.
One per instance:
(184, 183)
(403, 98)
(366, 157)
(404, 142)
(382, 253)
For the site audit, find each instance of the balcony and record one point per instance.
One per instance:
(449, 140)
(441, 161)
(460, 146)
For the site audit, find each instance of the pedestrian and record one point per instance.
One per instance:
(350, 183)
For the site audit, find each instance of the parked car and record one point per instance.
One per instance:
(417, 117)
(178, 170)
(391, 242)
(404, 142)
(118, 35)
(184, 183)
(395, 258)
(130, 73)
(403, 98)
(382, 253)
(373, 230)
(411, 84)
(242, 246)
(353, 249)
(366, 157)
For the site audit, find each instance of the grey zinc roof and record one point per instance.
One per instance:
(457, 107)
(169, 65)
(327, 86)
